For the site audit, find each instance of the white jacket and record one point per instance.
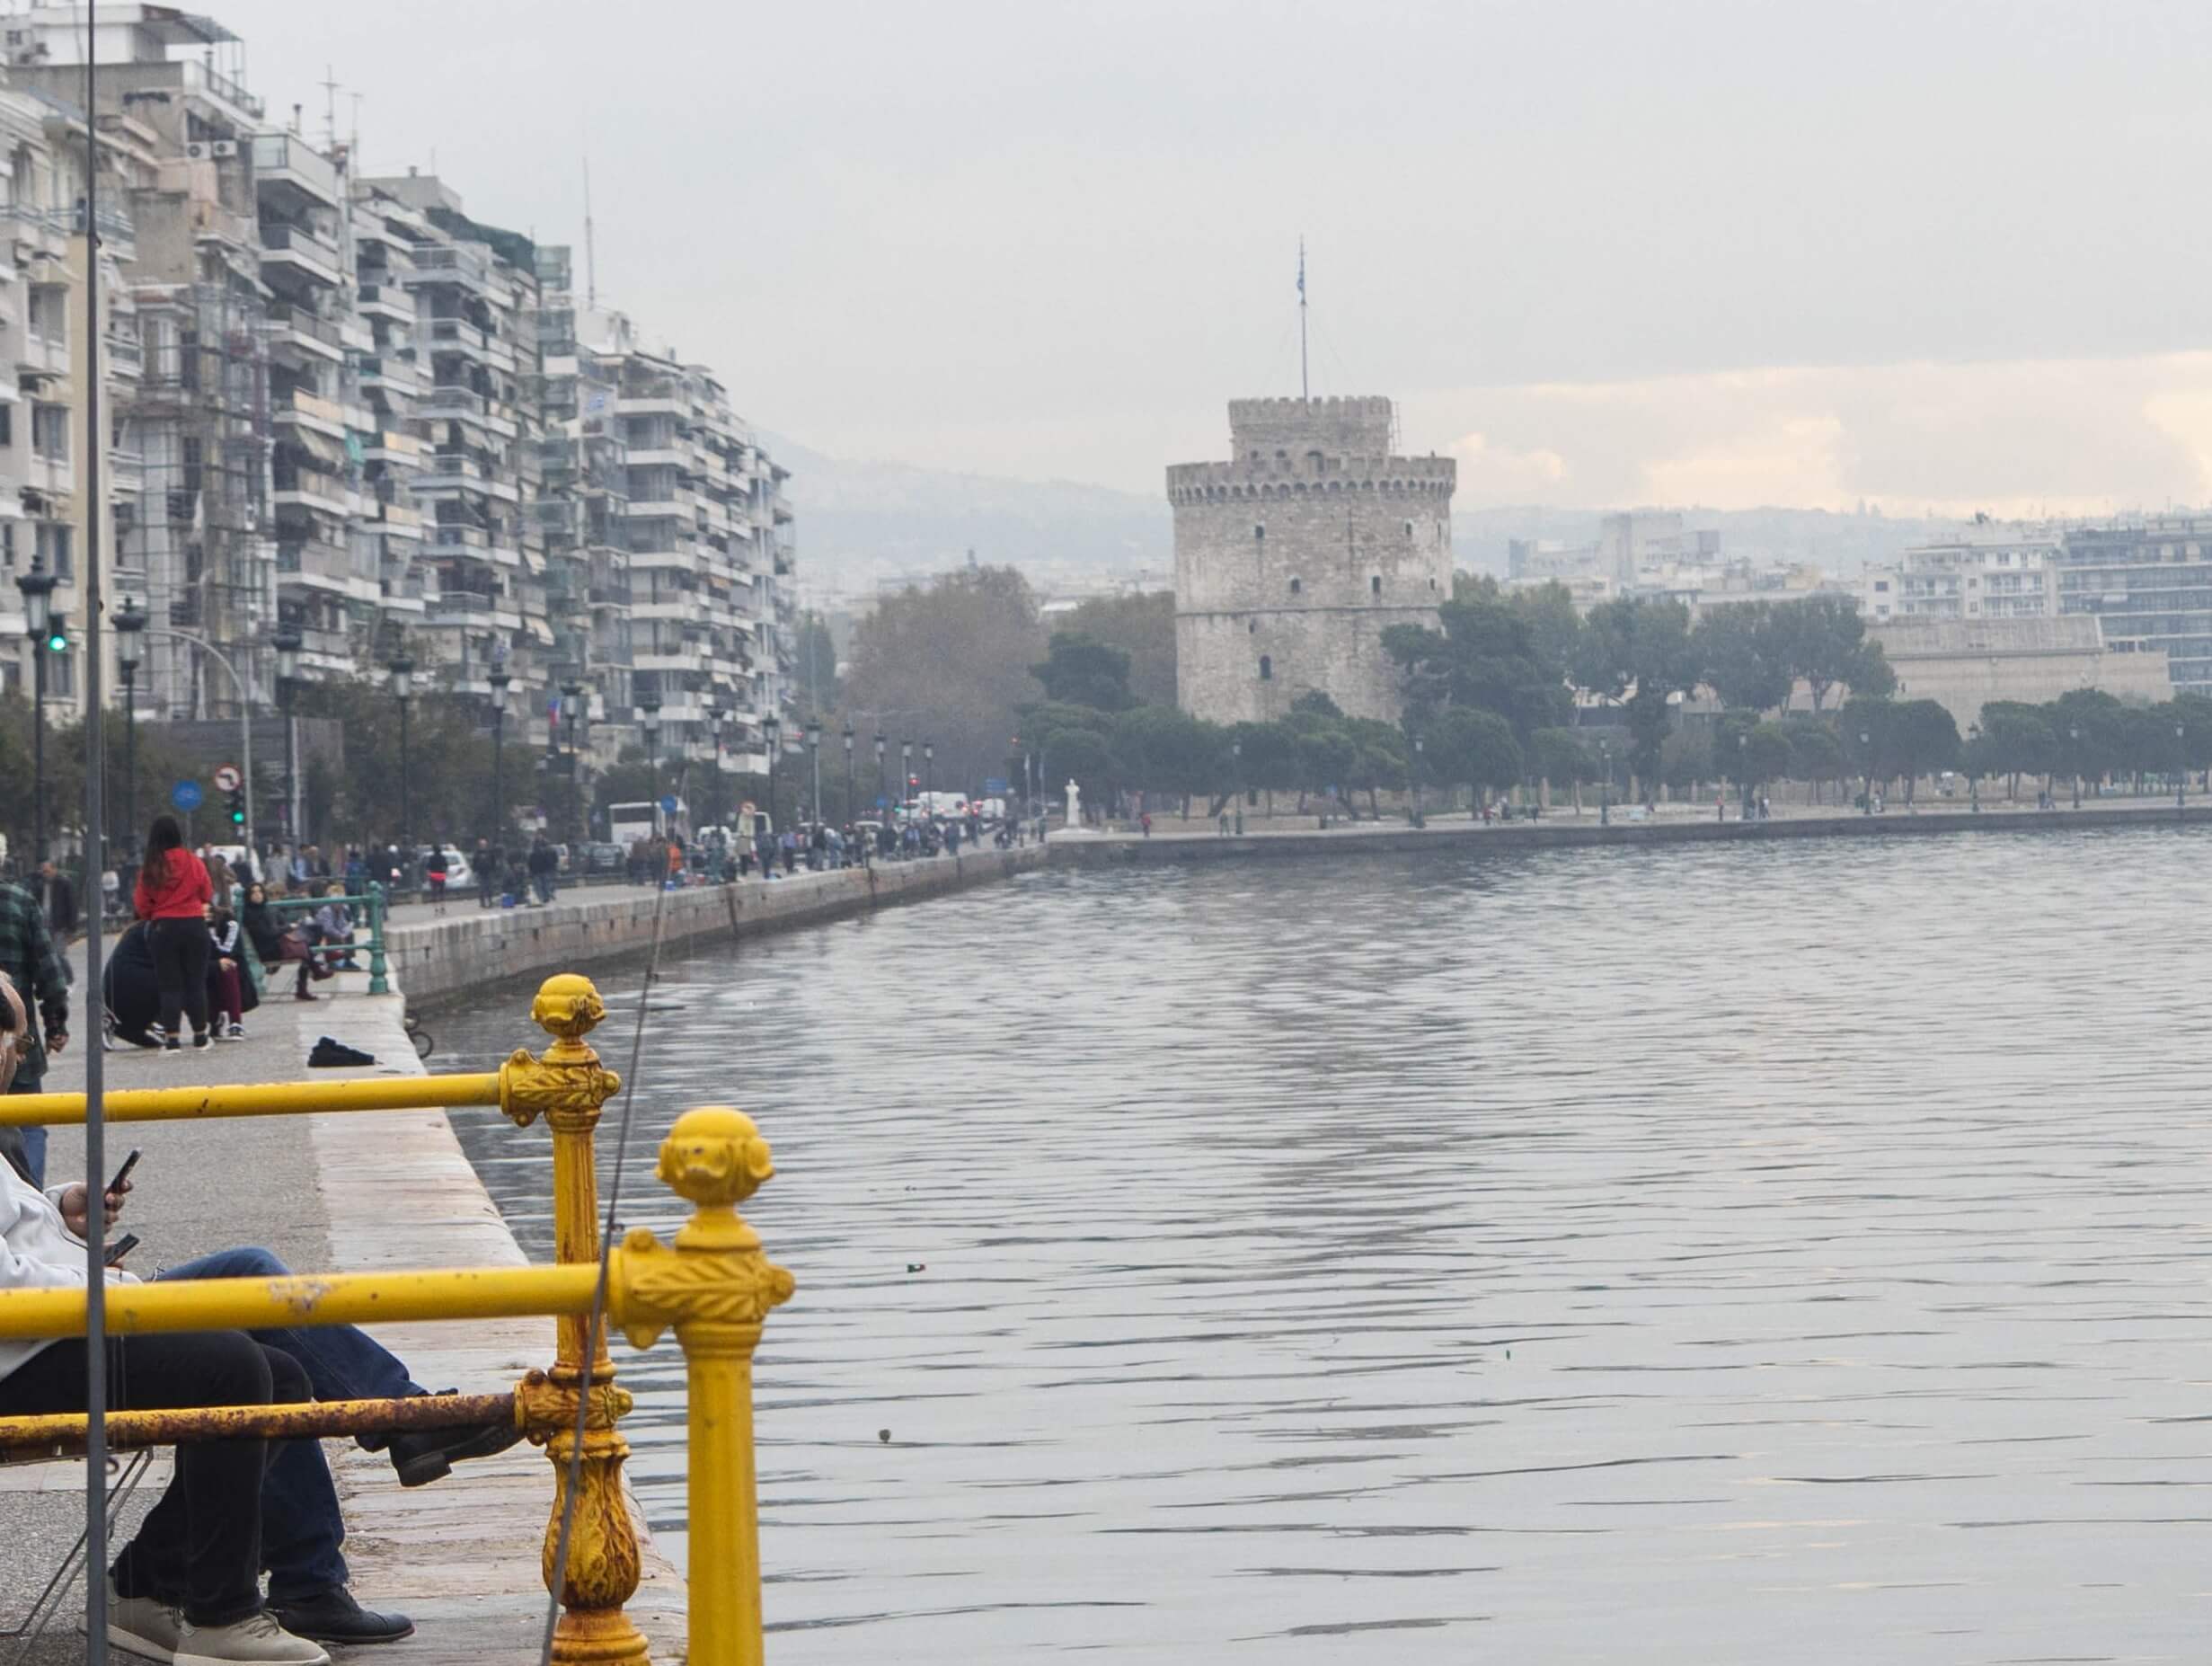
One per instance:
(37, 1252)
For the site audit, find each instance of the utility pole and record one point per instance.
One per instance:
(1305, 388)
(591, 264)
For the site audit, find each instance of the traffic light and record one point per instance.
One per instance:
(57, 634)
(234, 802)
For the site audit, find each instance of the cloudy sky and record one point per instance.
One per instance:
(1947, 256)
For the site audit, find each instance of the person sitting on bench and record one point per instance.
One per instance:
(187, 1588)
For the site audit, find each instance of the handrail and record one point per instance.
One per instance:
(60, 1433)
(372, 906)
(714, 1287)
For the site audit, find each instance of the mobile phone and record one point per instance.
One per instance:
(123, 1174)
(121, 1247)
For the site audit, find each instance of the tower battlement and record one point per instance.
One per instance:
(1359, 424)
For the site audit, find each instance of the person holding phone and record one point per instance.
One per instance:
(186, 1587)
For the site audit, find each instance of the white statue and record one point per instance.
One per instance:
(1074, 805)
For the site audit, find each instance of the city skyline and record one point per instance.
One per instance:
(1742, 258)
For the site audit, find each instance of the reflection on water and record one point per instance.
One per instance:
(1695, 1255)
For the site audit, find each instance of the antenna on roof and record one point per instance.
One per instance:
(1304, 389)
(330, 108)
(591, 263)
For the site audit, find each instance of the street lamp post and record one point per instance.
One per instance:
(929, 768)
(769, 726)
(2073, 738)
(814, 752)
(849, 817)
(1419, 746)
(571, 709)
(1604, 790)
(38, 587)
(130, 623)
(1236, 780)
(1973, 767)
(2181, 768)
(403, 670)
(1866, 751)
(649, 725)
(1743, 772)
(288, 642)
(496, 679)
(879, 746)
(905, 769)
(716, 718)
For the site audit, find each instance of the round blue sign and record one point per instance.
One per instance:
(668, 803)
(186, 796)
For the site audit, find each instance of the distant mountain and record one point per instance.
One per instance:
(864, 524)
(861, 524)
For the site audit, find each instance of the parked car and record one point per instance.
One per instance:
(603, 857)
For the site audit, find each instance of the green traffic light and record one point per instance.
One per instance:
(238, 816)
(58, 641)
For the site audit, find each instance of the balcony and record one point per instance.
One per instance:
(311, 565)
(385, 300)
(309, 411)
(126, 471)
(54, 475)
(123, 355)
(390, 376)
(306, 489)
(402, 450)
(41, 355)
(304, 251)
(301, 328)
(201, 78)
(450, 264)
(285, 162)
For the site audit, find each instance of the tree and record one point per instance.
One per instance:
(1475, 746)
(1143, 627)
(1640, 651)
(2089, 729)
(1266, 757)
(1923, 740)
(1767, 754)
(1084, 756)
(1562, 759)
(1824, 641)
(1743, 652)
(950, 662)
(1163, 750)
(1082, 670)
(1815, 754)
(1863, 727)
(1382, 760)
(2017, 740)
(815, 665)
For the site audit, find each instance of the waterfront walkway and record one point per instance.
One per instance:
(353, 1194)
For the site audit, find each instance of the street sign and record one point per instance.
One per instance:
(187, 796)
(668, 803)
(883, 802)
(226, 777)
(995, 788)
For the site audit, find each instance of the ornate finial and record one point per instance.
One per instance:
(568, 1007)
(715, 1156)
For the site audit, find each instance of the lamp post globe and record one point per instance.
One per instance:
(1866, 751)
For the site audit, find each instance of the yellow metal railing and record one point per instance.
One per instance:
(714, 1287)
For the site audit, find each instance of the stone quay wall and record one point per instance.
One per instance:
(1471, 838)
(445, 957)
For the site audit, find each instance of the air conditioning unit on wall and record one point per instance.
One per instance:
(198, 152)
(224, 148)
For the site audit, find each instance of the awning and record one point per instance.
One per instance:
(532, 560)
(541, 630)
(331, 452)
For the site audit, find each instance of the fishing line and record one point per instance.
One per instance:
(597, 1322)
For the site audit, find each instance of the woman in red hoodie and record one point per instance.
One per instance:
(172, 895)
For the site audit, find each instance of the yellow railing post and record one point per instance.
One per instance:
(566, 1085)
(717, 1289)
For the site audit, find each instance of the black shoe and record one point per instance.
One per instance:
(426, 1455)
(332, 1616)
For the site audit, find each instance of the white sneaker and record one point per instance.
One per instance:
(237, 1031)
(148, 1628)
(257, 1638)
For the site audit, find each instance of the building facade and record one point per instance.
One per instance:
(1296, 556)
(2146, 581)
(1964, 664)
(1994, 573)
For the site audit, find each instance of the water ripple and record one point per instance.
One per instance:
(1729, 1238)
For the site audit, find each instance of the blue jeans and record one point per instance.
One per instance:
(302, 1530)
(33, 1139)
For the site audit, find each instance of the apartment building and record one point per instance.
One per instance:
(1998, 572)
(2149, 583)
(388, 531)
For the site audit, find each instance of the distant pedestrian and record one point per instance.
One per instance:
(60, 903)
(433, 870)
(1145, 821)
(544, 863)
(488, 869)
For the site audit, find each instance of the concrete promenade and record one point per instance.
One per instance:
(1675, 825)
(457, 952)
(346, 1193)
